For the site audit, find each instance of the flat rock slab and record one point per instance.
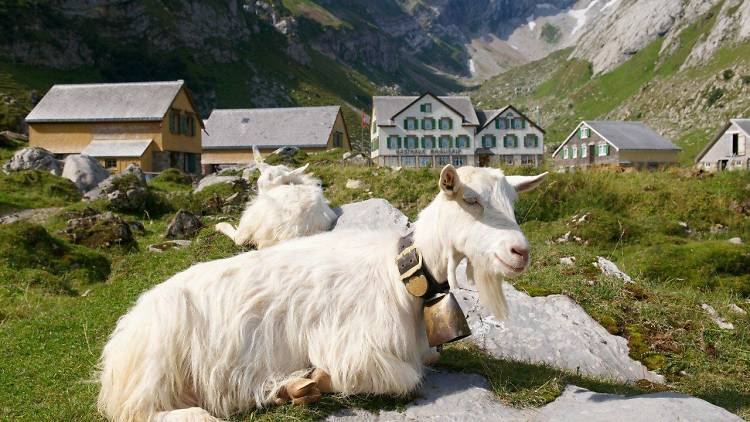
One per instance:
(372, 214)
(468, 397)
(553, 330)
(446, 397)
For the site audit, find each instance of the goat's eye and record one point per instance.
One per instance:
(471, 200)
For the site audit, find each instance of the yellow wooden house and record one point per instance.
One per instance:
(153, 124)
(231, 133)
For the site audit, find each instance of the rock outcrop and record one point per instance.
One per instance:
(33, 158)
(183, 225)
(84, 171)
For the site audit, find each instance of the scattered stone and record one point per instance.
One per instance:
(580, 220)
(33, 215)
(214, 179)
(7, 136)
(353, 184)
(357, 160)
(84, 171)
(609, 268)
(346, 155)
(287, 151)
(737, 310)
(717, 228)
(183, 225)
(564, 238)
(590, 282)
(372, 214)
(568, 260)
(33, 158)
(723, 324)
(99, 230)
(127, 197)
(135, 170)
(552, 330)
(86, 293)
(736, 240)
(169, 244)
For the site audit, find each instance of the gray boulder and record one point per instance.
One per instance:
(84, 171)
(135, 170)
(183, 225)
(98, 230)
(108, 185)
(214, 179)
(33, 158)
(372, 214)
(552, 330)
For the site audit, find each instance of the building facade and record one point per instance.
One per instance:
(231, 134)
(614, 143)
(432, 131)
(153, 124)
(729, 150)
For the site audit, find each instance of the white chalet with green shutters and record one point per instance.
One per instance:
(432, 131)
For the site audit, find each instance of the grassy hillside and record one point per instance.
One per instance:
(52, 328)
(686, 105)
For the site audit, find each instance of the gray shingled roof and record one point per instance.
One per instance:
(483, 116)
(269, 127)
(631, 135)
(388, 106)
(117, 147)
(138, 101)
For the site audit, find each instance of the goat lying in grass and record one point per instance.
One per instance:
(290, 204)
(325, 313)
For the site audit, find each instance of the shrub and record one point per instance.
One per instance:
(173, 175)
(296, 160)
(550, 33)
(728, 74)
(714, 94)
(745, 79)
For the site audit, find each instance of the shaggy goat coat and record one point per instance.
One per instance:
(223, 336)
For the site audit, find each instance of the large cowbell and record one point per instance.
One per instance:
(444, 320)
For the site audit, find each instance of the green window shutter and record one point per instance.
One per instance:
(398, 142)
(497, 124)
(468, 141)
(493, 140)
(423, 142)
(421, 108)
(450, 123)
(523, 123)
(606, 149)
(406, 123)
(422, 124)
(171, 121)
(515, 142)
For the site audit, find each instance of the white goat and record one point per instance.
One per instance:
(290, 204)
(230, 335)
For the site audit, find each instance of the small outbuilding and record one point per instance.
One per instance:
(615, 143)
(728, 150)
(232, 133)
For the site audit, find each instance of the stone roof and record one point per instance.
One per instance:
(625, 135)
(117, 147)
(389, 106)
(137, 101)
(270, 127)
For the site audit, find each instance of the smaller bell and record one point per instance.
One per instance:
(444, 320)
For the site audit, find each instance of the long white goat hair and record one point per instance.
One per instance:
(290, 204)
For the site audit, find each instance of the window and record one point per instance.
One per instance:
(410, 123)
(527, 160)
(736, 144)
(174, 121)
(500, 123)
(190, 125)
(338, 139)
(530, 141)
(565, 153)
(428, 123)
(488, 141)
(584, 150)
(459, 160)
(428, 142)
(411, 142)
(518, 123)
(510, 141)
(394, 141)
(462, 141)
(585, 133)
(391, 161)
(426, 108)
(507, 159)
(409, 161)
(425, 161)
(574, 151)
(445, 123)
(603, 150)
(446, 141)
(443, 160)
(110, 164)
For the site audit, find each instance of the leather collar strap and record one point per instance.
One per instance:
(416, 277)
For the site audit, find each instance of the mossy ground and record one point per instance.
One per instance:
(50, 341)
(35, 189)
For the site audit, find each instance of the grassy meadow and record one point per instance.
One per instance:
(59, 301)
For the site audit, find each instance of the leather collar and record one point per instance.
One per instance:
(415, 275)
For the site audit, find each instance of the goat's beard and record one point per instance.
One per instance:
(490, 288)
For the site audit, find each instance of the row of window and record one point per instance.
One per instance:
(428, 123)
(428, 142)
(602, 150)
(181, 123)
(510, 123)
(510, 141)
(424, 161)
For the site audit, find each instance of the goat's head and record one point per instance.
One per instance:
(477, 221)
(272, 176)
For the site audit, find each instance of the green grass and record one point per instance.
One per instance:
(50, 339)
(35, 189)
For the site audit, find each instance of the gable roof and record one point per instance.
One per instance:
(626, 136)
(487, 116)
(388, 107)
(742, 124)
(117, 147)
(132, 101)
(270, 127)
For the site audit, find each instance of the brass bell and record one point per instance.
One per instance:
(444, 320)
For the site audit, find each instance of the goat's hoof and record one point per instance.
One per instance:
(299, 391)
(323, 380)
(431, 358)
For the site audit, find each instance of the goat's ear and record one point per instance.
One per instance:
(525, 183)
(256, 155)
(449, 182)
(299, 170)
